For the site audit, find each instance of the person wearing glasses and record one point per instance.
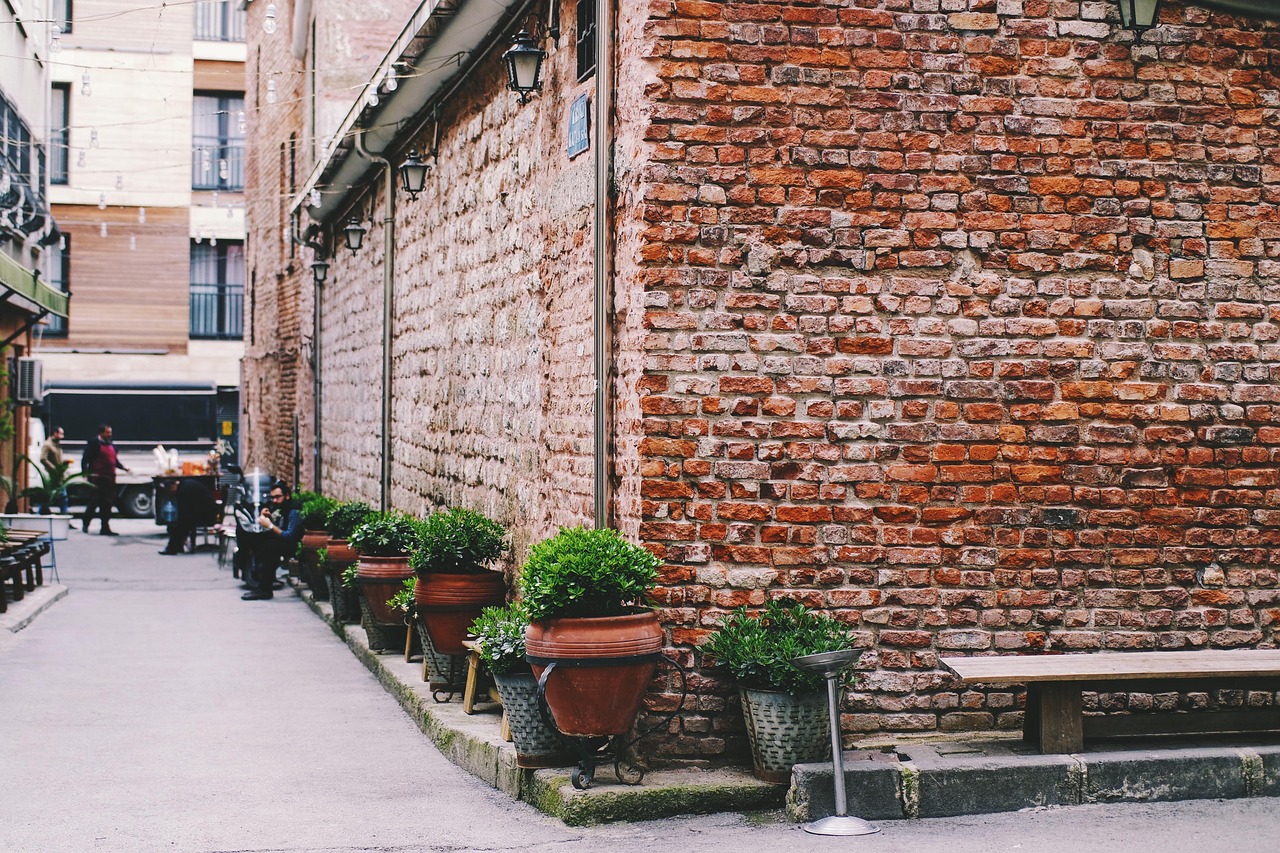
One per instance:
(281, 525)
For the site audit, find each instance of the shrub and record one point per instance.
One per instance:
(403, 599)
(346, 517)
(757, 648)
(386, 534)
(349, 575)
(458, 541)
(499, 633)
(580, 572)
(315, 512)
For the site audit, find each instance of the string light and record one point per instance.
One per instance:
(133, 243)
(241, 124)
(391, 82)
(271, 91)
(102, 201)
(93, 137)
(102, 229)
(55, 43)
(80, 159)
(269, 19)
(224, 169)
(372, 98)
(215, 198)
(142, 216)
(213, 239)
(85, 88)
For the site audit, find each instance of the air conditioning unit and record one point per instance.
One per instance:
(29, 381)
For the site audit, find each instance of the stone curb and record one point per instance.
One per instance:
(928, 780)
(472, 742)
(21, 613)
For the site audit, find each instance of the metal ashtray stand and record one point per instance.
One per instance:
(829, 665)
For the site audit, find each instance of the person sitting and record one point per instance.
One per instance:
(193, 504)
(281, 524)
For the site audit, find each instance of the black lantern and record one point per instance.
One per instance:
(413, 174)
(320, 269)
(354, 234)
(524, 65)
(1138, 15)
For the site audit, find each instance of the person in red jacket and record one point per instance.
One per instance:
(99, 465)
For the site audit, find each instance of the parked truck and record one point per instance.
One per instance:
(188, 417)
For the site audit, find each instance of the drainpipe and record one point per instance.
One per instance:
(315, 377)
(388, 296)
(603, 331)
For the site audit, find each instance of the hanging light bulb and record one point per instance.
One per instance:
(102, 229)
(142, 216)
(93, 137)
(269, 19)
(102, 201)
(213, 239)
(241, 125)
(391, 82)
(315, 198)
(85, 88)
(199, 235)
(271, 91)
(224, 169)
(119, 182)
(133, 243)
(372, 98)
(55, 43)
(215, 198)
(80, 160)
(206, 161)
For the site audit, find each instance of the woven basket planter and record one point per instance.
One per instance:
(537, 744)
(382, 637)
(785, 730)
(443, 672)
(345, 601)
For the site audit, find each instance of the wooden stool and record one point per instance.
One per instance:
(473, 687)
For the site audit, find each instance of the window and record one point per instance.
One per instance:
(59, 278)
(219, 20)
(61, 13)
(58, 141)
(217, 290)
(586, 38)
(217, 143)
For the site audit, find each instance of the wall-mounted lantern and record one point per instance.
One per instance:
(413, 174)
(524, 65)
(354, 234)
(320, 270)
(1138, 15)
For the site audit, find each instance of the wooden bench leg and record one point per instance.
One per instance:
(1060, 717)
(473, 678)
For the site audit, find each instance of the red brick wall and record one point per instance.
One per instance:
(960, 324)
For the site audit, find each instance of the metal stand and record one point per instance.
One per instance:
(829, 665)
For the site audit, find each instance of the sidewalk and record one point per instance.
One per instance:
(239, 671)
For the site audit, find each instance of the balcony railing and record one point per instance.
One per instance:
(217, 164)
(219, 20)
(217, 311)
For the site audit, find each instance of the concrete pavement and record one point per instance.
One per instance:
(151, 709)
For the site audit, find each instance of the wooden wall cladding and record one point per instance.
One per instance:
(214, 76)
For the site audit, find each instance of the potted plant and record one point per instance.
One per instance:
(584, 591)
(383, 542)
(343, 517)
(52, 490)
(454, 551)
(314, 510)
(499, 637)
(785, 708)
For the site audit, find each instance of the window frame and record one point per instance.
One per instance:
(226, 296)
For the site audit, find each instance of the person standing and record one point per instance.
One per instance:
(99, 465)
(193, 505)
(51, 459)
(281, 524)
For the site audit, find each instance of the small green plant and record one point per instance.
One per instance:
(581, 572)
(499, 633)
(458, 541)
(53, 484)
(386, 534)
(315, 512)
(346, 517)
(349, 575)
(403, 599)
(757, 648)
(302, 496)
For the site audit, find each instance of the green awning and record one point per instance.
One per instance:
(1267, 10)
(17, 279)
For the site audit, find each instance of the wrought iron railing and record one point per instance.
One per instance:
(219, 20)
(217, 311)
(217, 163)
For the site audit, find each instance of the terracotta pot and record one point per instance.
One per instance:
(379, 578)
(602, 698)
(312, 542)
(340, 551)
(448, 604)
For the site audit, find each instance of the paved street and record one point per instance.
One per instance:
(151, 709)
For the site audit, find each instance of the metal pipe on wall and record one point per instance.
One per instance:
(602, 492)
(388, 305)
(318, 385)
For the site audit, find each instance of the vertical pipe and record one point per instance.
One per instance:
(318, 385)
(602, 331)
(388, 307)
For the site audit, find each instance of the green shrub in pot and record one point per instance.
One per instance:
(315, 512)
(386, 534)
(499, 638)
(345, 517)
(454, 551)
(587, 573)
(458, 541)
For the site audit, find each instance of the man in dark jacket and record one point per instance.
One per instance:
(281, 524)
(193, 505)
(99, 465)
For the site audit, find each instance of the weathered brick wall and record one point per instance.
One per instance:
(961, 325)
(492, 333)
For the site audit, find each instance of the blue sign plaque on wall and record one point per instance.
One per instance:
(579, 121)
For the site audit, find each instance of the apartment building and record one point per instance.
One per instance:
(27, 230)
(147, 172)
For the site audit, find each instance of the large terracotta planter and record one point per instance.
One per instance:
(340, 552)
(379, 578)
(603, 668)
(312, 575)
(447, 604)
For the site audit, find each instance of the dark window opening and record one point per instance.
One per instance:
(586, 38)
(217, 143)
(59, 141)
(217, 290)
(59, 279)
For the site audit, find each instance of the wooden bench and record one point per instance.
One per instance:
(1055, 718)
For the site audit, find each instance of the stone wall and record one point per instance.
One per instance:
(961, 325)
